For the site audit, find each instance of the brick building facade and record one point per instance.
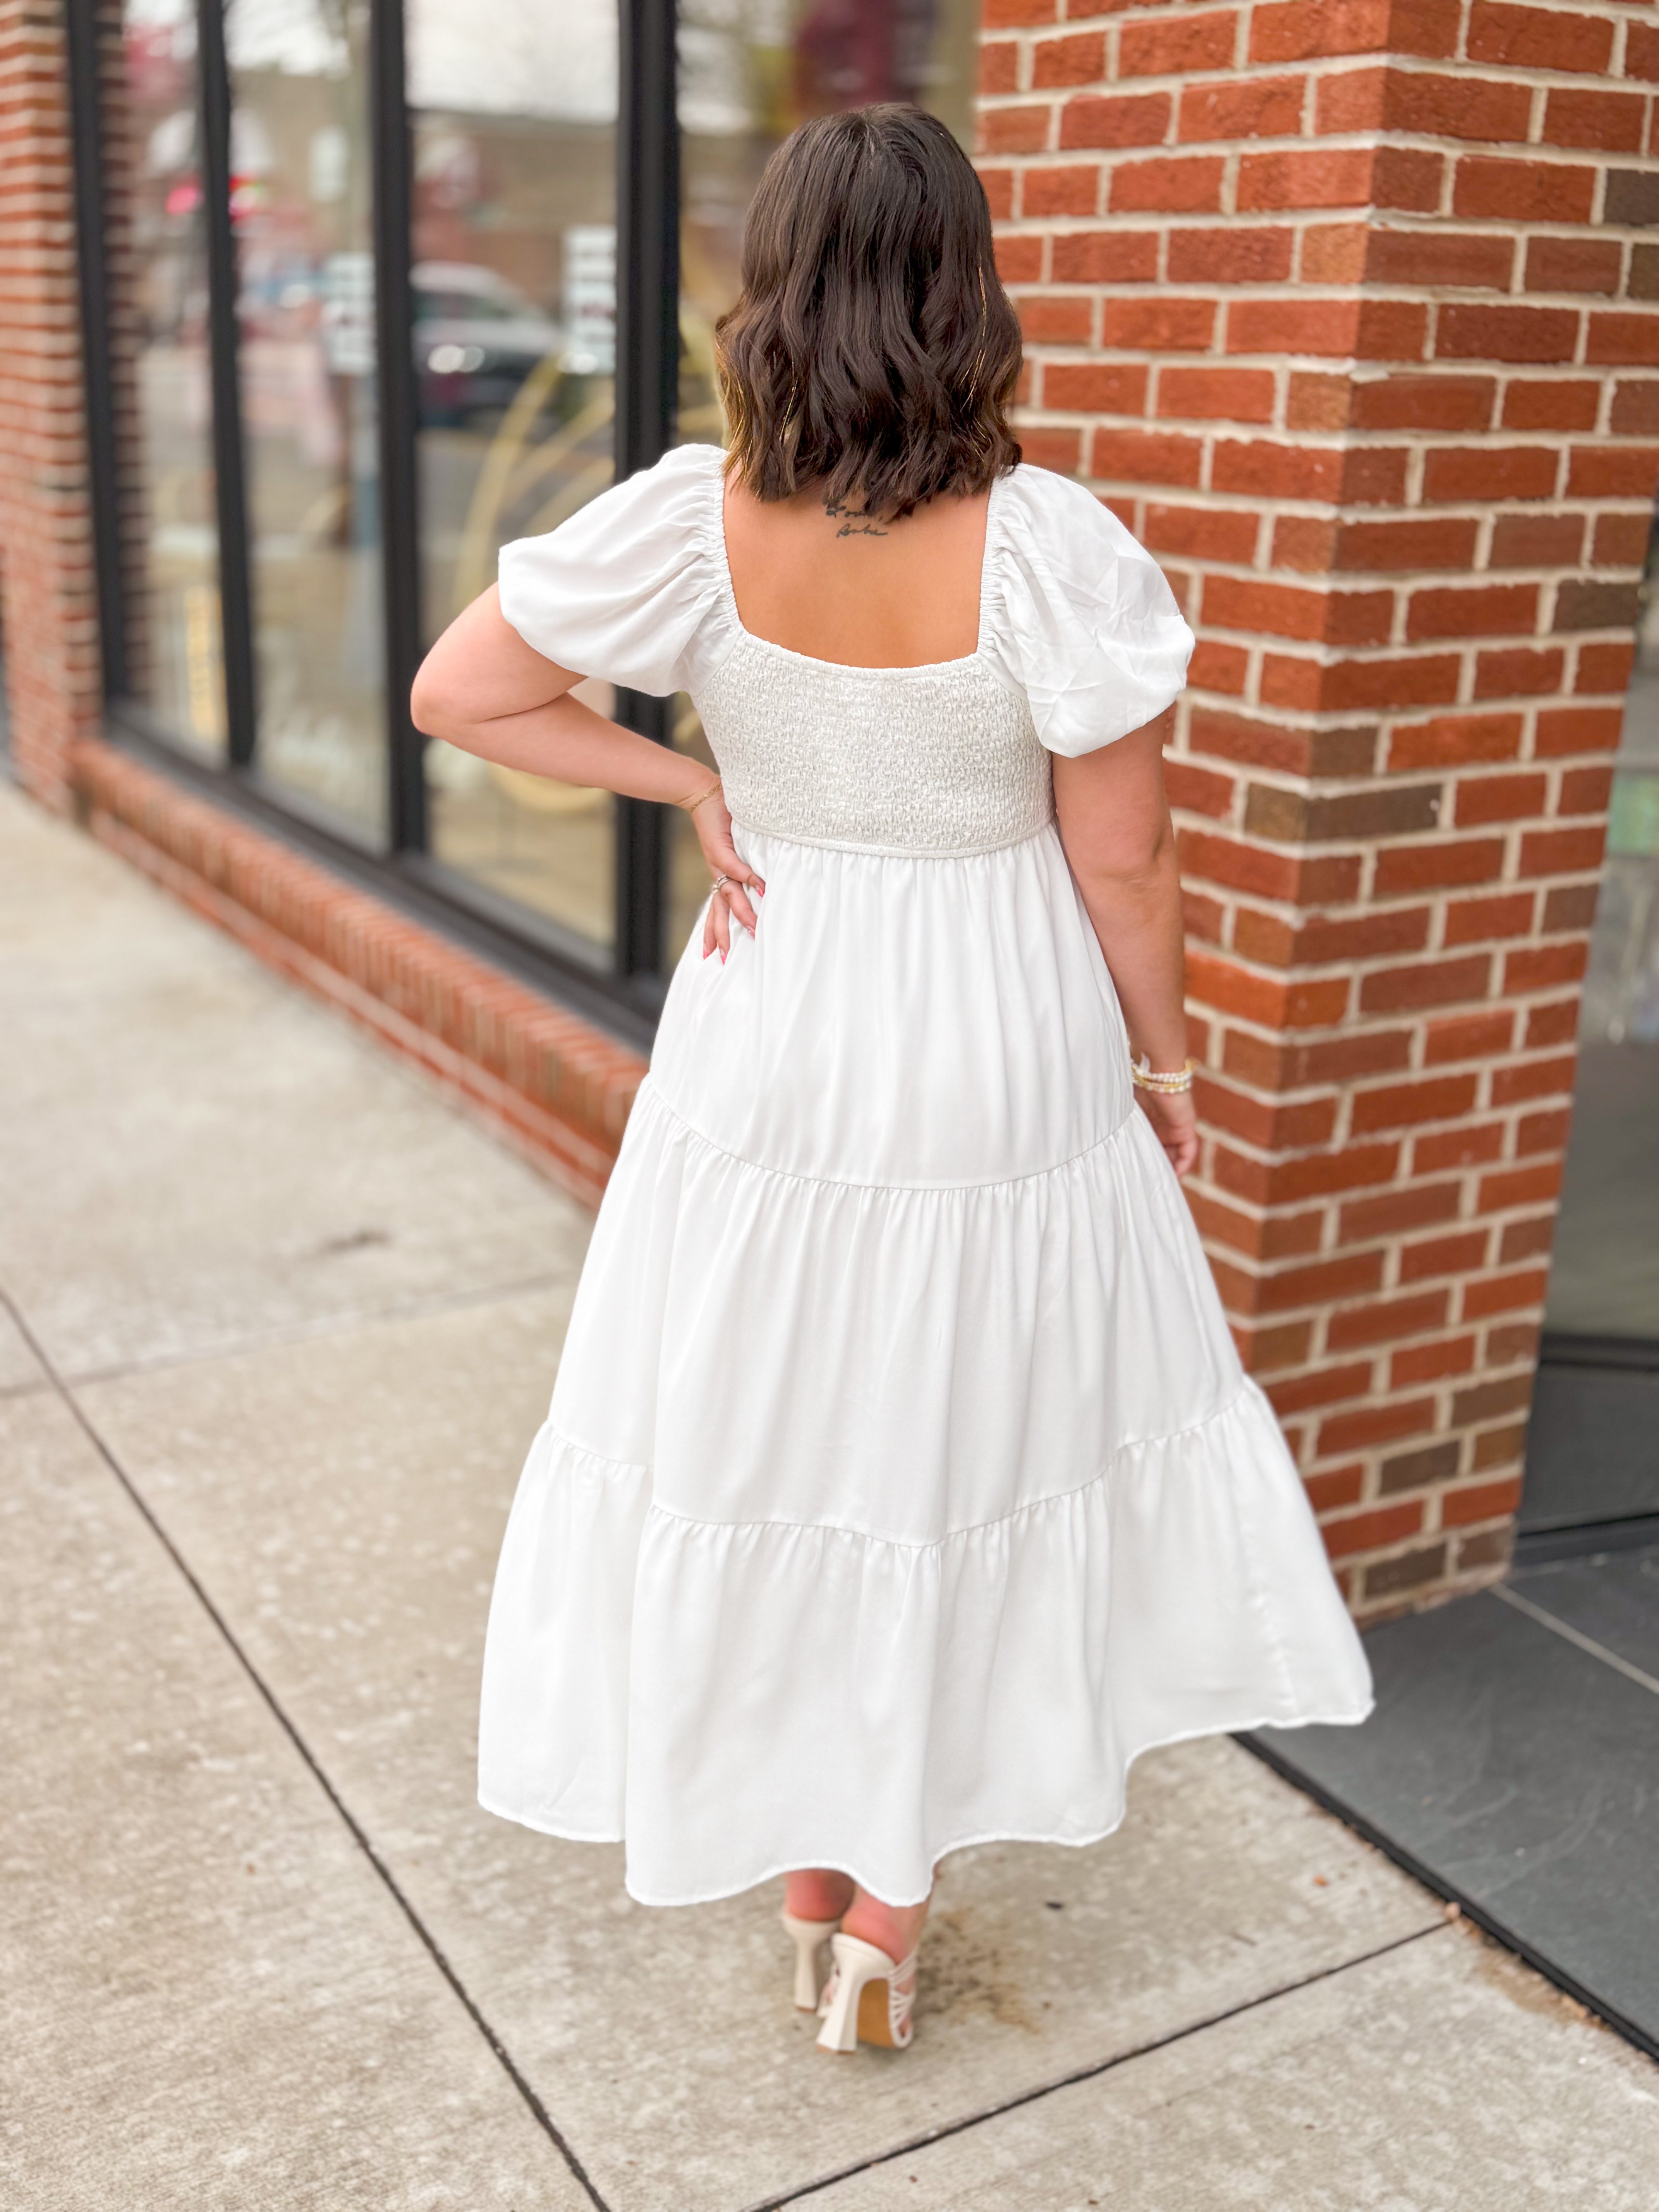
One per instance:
(1339, 303)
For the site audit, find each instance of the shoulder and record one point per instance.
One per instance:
(1064, 519)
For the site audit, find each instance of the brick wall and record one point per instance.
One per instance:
(1337, 303)
(48, 610)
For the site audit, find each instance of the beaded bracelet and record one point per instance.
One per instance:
(1168, 1082)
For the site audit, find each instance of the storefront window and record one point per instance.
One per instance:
(748, 77)
(1604, 1279)
(515, 114)
(171, 543)
(300, 205)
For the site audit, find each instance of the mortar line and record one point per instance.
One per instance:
(503, 2056)
(1092, 2072)
(1571, 1635)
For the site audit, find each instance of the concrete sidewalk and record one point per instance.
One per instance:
(280, 1326)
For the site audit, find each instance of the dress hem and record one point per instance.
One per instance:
(1351, 1718)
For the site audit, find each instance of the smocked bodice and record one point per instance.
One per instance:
(943, 759)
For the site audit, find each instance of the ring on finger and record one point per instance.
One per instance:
(720, 883)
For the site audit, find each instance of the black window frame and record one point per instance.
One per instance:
(624, 984)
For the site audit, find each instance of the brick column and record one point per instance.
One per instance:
(47, 581)
(1328, 299)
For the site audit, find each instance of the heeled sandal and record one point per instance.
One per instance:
(868, 1997)
(810, 1937)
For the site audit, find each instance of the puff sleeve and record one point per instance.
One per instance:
(627, 587)
(1082, 620)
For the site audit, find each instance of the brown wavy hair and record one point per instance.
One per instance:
(872, 349)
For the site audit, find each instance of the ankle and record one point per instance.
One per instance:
(894, 1929)
(816, 1893)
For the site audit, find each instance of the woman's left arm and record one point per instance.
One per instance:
(483, 689)
(1114, 822)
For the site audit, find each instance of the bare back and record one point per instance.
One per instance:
(833, 585)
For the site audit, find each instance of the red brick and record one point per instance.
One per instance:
(1536, 404)
(1564, 730)
(1561, 852)
(1014, 130)
(1407, 402)
(1376, 1425)
(1095, 387)
(1227, 395)
(1259, 107)
(1477, 921)
(1437, 865)
(1078, 59)
(1542, 967)
(999, 66)
(1620, 541)
(1421, 102)
(1518, 670)
(1470, 260)
(1489, 472)
(1519, 1186)
(1573, 265)
(1270, 470)
(1019, 260)
(1231, 257)
(1372, 330)
(1286, 610)
(1613, 121)
(1458, 1255)
(1073, 190)
(1430, 1363)
(1145, 457)
(1479, 1501)
(1613, 471)
(1426, 983)
(1551, 1024)
(1349, 1275)
(1428, 681)
(1199, 790)
(1435, 542)
(1406, 178)
(1523, 191)
(1447, 740)
(1008, 14)
(1542, 1133)
(1467, 330)
(1605, 667)
(1585, 791)
(1539, 38)
(1537, 541)
(1190, 185)
(1469, 1036)
(1105, 256)
(1464, 1147)
(1324, 1386)
(1218, 667)
(1635, 408)
(1499, 798)
(1164, 324)
(1535, 1078)
(1173, 48)
(1397, 1105)
(1265, 999)
(1134, 119)
(1633, 339)
(1414, 1207)
(1503, 1293)
(1642, 52)
(1302, 30)
(1335, 1487)
(1319, 176)
(1203, 532)
(1485, 611)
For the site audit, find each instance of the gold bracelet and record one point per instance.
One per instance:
(1168, 1083)
(692, 805)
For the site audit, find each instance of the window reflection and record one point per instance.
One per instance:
(748, 76)
(514, 276)
(172, 546)
(1604, 1279)
(300, 202)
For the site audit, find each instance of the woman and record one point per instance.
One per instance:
(900, 1483)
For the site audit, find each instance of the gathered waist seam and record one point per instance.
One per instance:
(893, 851)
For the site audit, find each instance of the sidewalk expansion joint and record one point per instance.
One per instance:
(354, 1827)
(913, 2144)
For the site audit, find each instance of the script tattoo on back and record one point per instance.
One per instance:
(855, 523)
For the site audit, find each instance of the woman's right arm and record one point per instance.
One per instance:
(483, 689)
(1113, 821)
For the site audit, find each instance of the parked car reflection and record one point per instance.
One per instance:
(477, 338)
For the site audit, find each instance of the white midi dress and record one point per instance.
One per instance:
(900, 1483)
